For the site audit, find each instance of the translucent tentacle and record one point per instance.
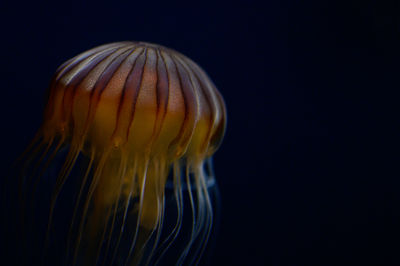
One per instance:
(142, 178)
(127, 203)
(93, 185)
(179, 205)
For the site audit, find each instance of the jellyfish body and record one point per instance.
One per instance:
(140, 114)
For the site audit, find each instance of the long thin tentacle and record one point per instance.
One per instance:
(121, 175)
(208, 212)
(179, 205)
(78, 200)
(127, 203)
(143, 186)
(65, 171)
(192, 204)
(92, 188)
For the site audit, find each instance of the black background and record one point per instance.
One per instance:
(308, 170)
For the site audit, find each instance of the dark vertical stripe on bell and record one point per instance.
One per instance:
(121, 100)
(103, 80)
(209, 91)
(137, 84)
(162, 90)
(109, 71)
(103, 54)
(153, 56)
(191, 108)
(178, 84)
(163, 84)
(219, 131)
(199, 87)
(157, 81)
(96, 92)
(77, 79)
(70, 64)
(173, 85)
(130, 91)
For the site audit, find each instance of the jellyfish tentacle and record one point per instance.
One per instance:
(46, 164)
(200, 208)
(208, 212)
(112, 209)
(194, 219)
(142, 179)
(78, 200)
(159, 192)
(64, 173)
(150, 217)
(22, 180)
(179, 205)
(31, 151)
(97, 248)
(121, 175)
(127, 203)
(24, 217)
(34, 173)
(37, 141)
(161, 203)
(92, 187)
(42, 172)
(200, 213)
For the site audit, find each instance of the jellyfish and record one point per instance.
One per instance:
(122, 121)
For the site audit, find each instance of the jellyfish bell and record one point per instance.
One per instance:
(140, 114)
